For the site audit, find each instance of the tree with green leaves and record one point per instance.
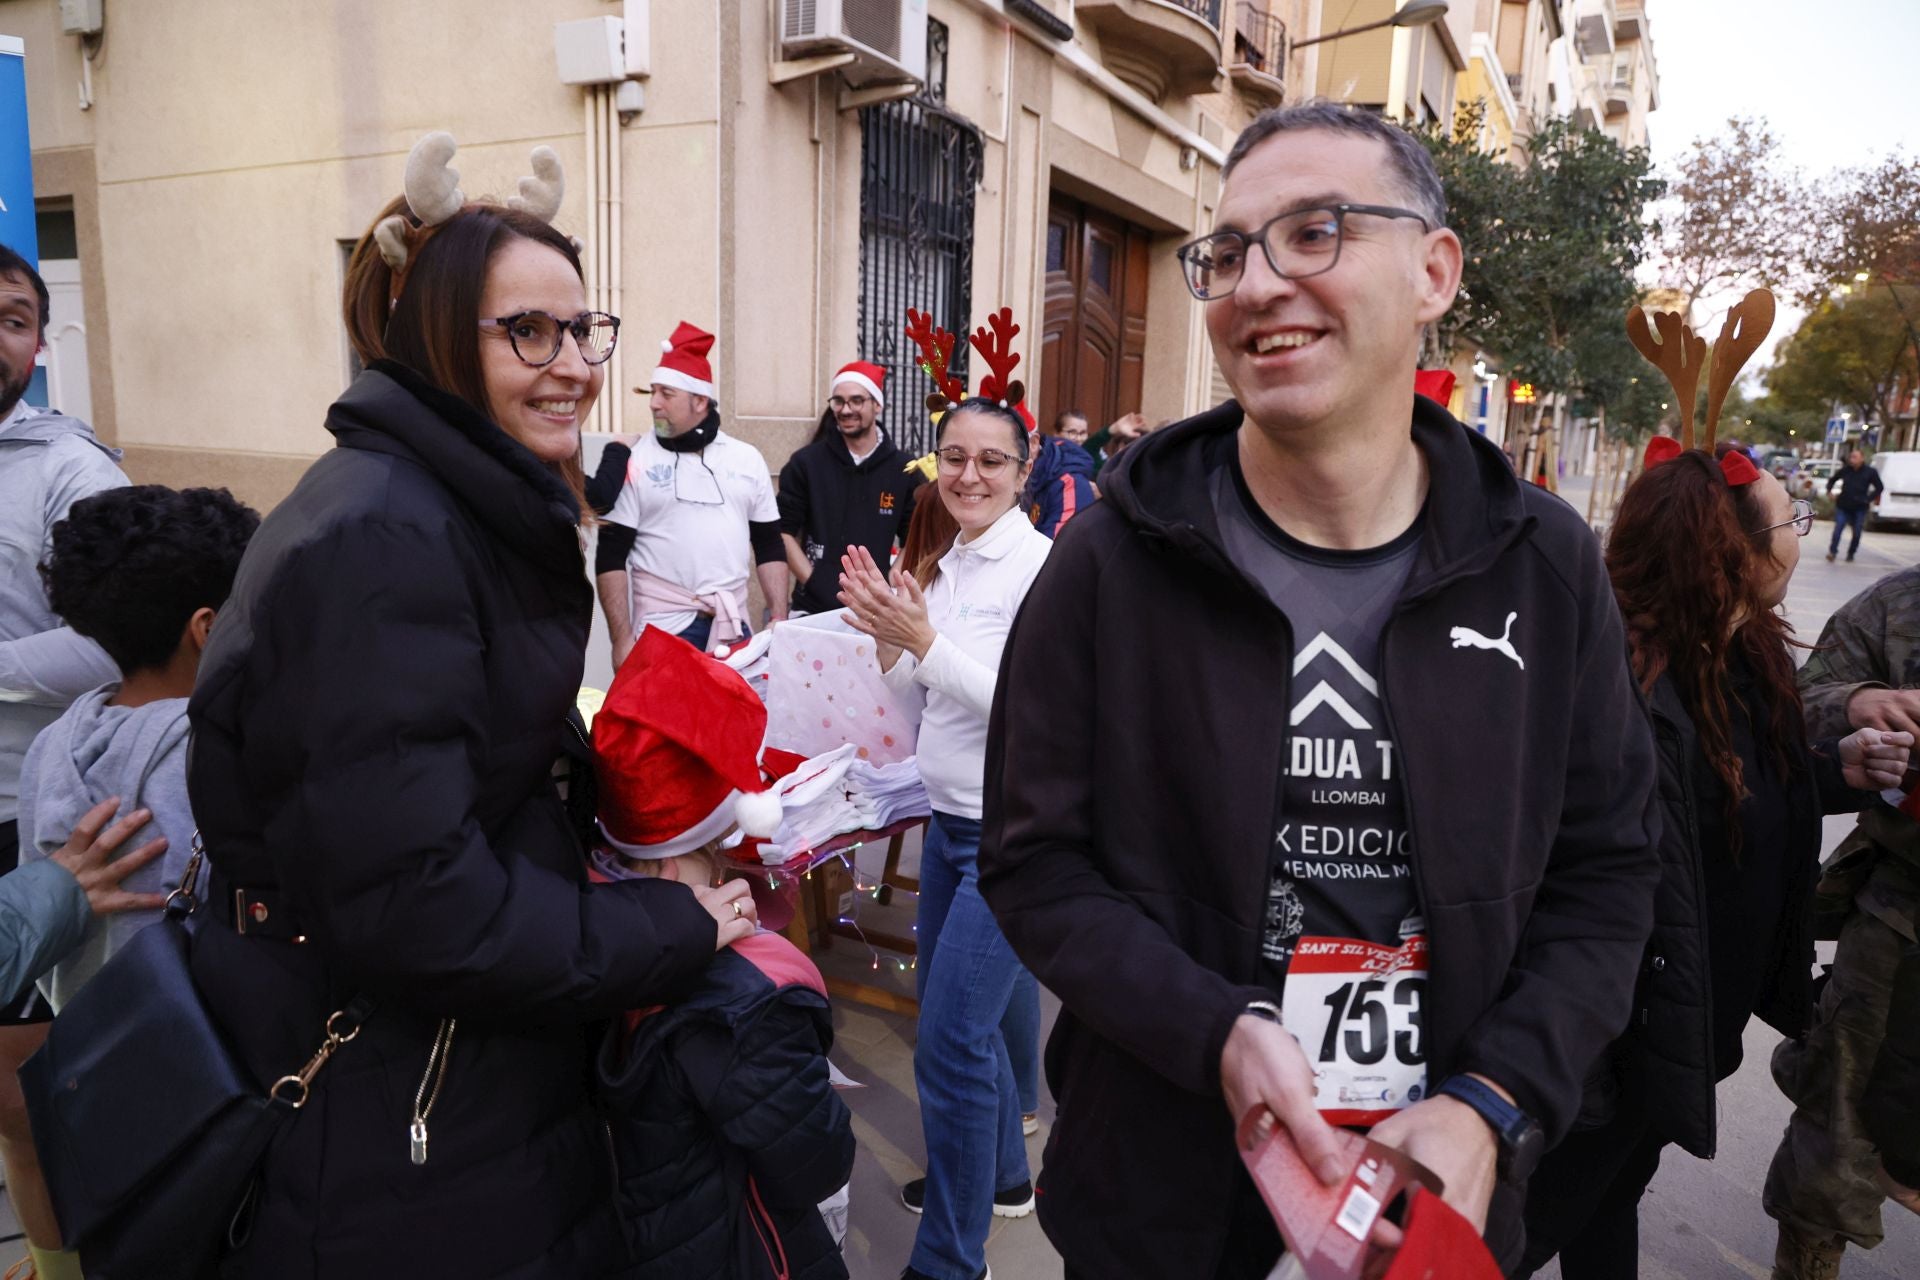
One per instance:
(1853, 349)
(1551, 252)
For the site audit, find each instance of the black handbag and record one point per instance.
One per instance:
(149, 1127)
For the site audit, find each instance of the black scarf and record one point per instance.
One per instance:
(695, 440)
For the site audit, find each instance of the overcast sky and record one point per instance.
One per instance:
(1834, 79)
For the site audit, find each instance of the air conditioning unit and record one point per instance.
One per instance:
(887, 38)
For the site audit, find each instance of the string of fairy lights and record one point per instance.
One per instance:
(863, 887)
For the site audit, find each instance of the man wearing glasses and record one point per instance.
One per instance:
(1357, 827)
(848, 488)
(697, 509)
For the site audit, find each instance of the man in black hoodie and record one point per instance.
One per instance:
(848, 488)
(1351, 815)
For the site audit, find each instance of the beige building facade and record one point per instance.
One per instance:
(216, 159)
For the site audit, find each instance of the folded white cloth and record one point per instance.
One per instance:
(835, 793)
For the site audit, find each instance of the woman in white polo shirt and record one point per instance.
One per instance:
(947, 641)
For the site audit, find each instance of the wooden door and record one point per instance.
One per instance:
(1094, 335)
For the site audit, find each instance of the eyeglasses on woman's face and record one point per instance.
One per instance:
(536, 335)
(1802, 519)
(988, 462)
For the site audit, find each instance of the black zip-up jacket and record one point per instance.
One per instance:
(1858, 486)
(726, 1126)
(830, 503)
(1129, 803)
(375, 726)
(1668, 1050)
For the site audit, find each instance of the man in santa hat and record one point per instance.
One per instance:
(849, 488)
(696, 512)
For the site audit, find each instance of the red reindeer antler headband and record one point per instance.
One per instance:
(1680, 354)
(994, 342)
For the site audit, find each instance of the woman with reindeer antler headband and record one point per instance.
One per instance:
(943, 643)
(1700, 556)
(376, 723)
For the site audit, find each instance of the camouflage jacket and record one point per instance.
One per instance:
(1872, 642)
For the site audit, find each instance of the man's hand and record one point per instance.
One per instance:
(1875, 759)
(622, 646)
(1262, 1066)
(1906, 1197)
(1895, 710)
(88, 854)
(1450, 1138)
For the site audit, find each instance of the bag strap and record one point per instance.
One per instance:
(342, 1026)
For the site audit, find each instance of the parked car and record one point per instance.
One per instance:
(1810, 482)
(1900, 496)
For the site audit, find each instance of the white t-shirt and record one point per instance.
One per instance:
(690, 512)
(971, 604)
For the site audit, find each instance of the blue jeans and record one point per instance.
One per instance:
(969, 1105)
(1020, 1028)
(701, 631)
(1842, 516)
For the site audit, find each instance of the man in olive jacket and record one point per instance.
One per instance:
(1350, 817)
(1823, 1186)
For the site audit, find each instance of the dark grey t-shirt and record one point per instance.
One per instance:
(1340, 853)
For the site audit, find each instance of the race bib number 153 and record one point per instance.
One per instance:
(1355, 1008)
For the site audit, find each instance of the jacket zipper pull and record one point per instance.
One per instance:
(429, 1091)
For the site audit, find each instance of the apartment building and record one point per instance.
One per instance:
(789, 174)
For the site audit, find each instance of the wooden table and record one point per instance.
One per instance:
(814, 917)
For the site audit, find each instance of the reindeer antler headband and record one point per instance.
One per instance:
(994, 342)
(1680, 353)
(433, 195)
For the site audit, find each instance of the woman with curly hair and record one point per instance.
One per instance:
(1700, 556)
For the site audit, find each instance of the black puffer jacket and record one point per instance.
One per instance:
(1666, 1060)
(726, 1126)
(374, 725)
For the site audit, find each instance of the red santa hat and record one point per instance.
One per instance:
(863, 374)
(677, 752)
(685, 363)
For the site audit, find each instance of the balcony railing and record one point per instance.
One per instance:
(1207, 10)
(1260, 40)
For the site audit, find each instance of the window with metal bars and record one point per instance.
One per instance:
(920, 164)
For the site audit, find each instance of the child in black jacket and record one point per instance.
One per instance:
(726, 1128)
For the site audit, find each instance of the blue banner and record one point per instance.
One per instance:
(17, 230)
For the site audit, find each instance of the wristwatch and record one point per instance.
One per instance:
(1521, 1142)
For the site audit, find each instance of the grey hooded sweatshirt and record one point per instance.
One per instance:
(94, 751)
(48, 462)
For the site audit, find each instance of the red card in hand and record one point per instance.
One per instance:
(1326, 1228)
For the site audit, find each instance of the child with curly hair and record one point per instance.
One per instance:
(141, 571)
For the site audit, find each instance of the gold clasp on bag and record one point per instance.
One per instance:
(294, 1089)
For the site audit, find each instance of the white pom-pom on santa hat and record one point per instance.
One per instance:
(665, 345)
(758, 813)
